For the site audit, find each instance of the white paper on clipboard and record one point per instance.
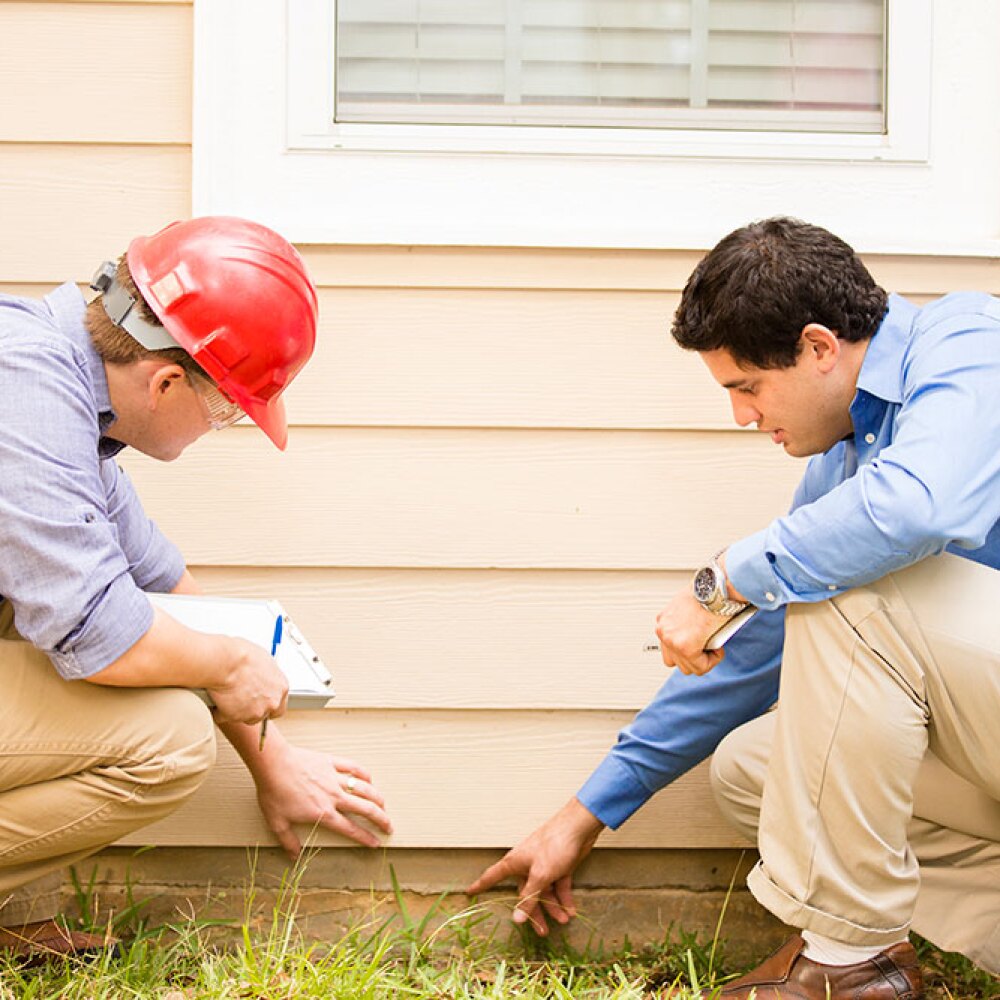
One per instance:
(721, 636)
(310, 684)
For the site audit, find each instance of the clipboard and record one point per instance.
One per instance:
(721, 635)
(310, 684)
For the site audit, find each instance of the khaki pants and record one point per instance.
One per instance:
(81, 766)
(874, 788)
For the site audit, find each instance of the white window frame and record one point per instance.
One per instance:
(266, 146)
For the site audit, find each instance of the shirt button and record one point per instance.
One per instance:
(832, 586)
(869, 438)
(769, 596)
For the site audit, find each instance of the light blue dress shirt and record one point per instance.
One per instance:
(76, 548)
(920, 475)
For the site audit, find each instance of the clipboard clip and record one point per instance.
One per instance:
(308, 653)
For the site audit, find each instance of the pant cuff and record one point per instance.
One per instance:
(988, 956)
(805, 917)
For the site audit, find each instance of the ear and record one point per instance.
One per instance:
(822, 346)
(162, 380)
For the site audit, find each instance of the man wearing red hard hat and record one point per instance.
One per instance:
(196, 326)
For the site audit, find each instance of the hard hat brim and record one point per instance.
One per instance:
(269, 417)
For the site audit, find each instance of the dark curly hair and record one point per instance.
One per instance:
(762, 284)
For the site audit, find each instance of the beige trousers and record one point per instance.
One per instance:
(874, 788)
(80, 766)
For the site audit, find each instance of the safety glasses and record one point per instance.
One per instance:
(220, 411)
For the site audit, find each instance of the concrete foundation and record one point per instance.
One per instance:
(633, 896)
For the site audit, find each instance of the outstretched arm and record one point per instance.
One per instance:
(680, 727)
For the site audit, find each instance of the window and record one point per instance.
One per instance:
(664, 126)
(799, 65)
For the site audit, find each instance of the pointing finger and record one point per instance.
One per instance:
(489, 878)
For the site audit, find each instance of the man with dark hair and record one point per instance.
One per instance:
(195, 327)
(763, 284)
(873, 790)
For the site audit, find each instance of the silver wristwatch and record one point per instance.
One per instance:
(712, 593)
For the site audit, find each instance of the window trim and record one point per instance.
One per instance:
(311, 27)
(265, 146)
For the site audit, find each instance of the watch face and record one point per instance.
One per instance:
(704, 584)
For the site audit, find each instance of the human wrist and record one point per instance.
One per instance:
(226, 658)
(583, 823)
(712, 590)
(731, 592)
(267, 765)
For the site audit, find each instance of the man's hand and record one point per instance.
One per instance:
(255, 688)
(543, 865)
(309, 788)
(683, 627)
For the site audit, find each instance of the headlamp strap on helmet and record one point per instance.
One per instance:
(120, 307)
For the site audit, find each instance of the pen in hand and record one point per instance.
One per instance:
(275, 642)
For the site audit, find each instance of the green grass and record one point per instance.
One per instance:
(358, 967)
(442, 956)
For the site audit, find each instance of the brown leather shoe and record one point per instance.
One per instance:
(33, 944)
(892, 974)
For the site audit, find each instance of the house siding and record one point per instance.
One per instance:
(499, 465)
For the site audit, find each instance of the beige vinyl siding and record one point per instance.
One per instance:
(67, 206)
(466, 498)
(79, 99)
(455, 780)
(488, 639)
(499, 468)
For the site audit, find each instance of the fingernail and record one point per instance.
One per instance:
(519, 917)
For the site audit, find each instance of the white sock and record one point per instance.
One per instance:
(829, 951)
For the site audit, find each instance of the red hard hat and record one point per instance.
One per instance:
(236, 296)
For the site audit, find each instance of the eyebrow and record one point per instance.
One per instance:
(739, 383)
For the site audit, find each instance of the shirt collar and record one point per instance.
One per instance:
(881, 372)
(68, 308)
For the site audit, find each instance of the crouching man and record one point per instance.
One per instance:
(197, 326)
(873, 790)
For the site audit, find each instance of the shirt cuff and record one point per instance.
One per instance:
(121, 617)
(612, 793)
(751, 572)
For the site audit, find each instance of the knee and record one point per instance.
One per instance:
(728, 772)
(187, 747)
(737, 777)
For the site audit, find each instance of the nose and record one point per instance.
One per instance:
(744, 412)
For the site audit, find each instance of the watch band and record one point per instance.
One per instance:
(711, 591)
(729, 607)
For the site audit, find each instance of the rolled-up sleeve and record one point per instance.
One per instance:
(63, 568)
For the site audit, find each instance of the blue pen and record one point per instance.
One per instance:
(275, 642)
(276, 638)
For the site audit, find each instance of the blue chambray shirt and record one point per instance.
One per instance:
(76, 548)
(920, 475)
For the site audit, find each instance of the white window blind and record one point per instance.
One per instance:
(779, 65)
